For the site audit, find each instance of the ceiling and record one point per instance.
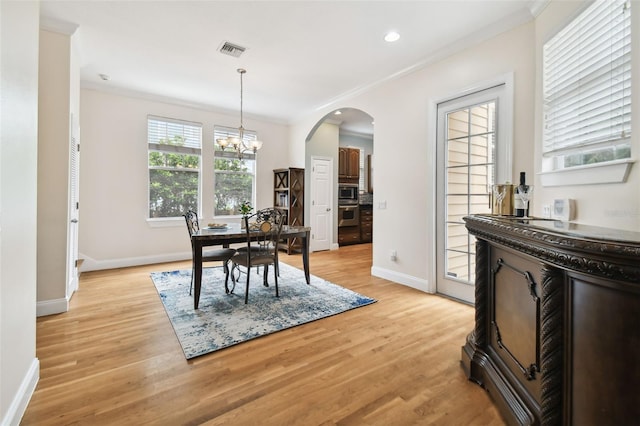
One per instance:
(300, 56)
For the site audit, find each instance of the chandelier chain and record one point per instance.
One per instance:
(239, 144)
(241, 71)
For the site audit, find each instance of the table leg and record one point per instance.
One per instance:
(197, 267)
(305, 255)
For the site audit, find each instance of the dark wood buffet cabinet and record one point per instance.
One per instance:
(555, 338)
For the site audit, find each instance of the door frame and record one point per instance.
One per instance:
(73, 210)
(332, 216)
(503, 169)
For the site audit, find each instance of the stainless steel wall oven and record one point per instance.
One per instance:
(348, 215)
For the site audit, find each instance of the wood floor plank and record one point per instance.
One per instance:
(114, 359)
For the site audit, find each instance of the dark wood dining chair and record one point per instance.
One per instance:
(210, 255)
(263, 227)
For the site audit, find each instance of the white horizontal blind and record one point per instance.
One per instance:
(587, 81)
(171, 135)
(220, 132)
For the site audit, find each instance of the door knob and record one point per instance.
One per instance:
(74, 220)
(328, 209)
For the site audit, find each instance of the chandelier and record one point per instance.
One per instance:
(238, 143)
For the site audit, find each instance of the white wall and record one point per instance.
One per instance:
(611, 205)
(54, 100)
(404, 134)
(19, 367)
(323, 143)
(114, 230)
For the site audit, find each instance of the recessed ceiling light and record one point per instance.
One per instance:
(338, 112)
(391, 36)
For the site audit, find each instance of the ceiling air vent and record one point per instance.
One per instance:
(231, 49)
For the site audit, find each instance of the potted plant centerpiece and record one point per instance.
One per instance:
(245, 210)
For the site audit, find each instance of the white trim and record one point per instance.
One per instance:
(51, 307)
(23, 396)
(90, 264)
(400, 278)
(58, 26)
(504, 167)
(487, 33)
(537, 6)
(312, 186)
(432, 220)
(165, 222)
(609, 172)
(504, 160)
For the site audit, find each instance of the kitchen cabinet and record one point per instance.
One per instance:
(555, 338)
(348, 164)
(348, 235)
(366, 223)
(288, 196)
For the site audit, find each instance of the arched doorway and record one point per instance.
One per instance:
(344, 128)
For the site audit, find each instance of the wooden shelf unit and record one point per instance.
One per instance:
(288, 196)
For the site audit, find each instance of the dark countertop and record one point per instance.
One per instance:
(366, 199)
(569, 229)
(604, 252)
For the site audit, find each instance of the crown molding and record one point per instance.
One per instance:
(488, 32)
(537, 6)
(58, 26)
(119, 91)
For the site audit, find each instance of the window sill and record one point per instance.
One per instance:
(166, 222)
(610, 172)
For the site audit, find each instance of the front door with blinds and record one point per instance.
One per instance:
(467, 155)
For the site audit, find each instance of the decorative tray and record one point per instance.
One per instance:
(217, 226)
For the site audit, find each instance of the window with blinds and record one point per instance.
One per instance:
(361, 186)
(174, 166)
(587, 87)
(234, 178)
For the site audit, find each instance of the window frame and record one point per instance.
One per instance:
(555, 153)
(193, 147)
(248, 136)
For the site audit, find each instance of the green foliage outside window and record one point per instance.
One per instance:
(233, 183)
(597, 156)
(173, 181)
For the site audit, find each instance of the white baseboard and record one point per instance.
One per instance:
(334, 246)
(90, 264)
(400, 278)
(51, 307)
(23, 396)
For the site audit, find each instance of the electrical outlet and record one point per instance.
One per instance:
(546, 211)
(393, 255)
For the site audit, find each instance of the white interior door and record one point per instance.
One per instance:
(469, 150)
(73, 211)
(321, 203)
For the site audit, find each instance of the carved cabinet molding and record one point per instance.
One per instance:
(555, 340)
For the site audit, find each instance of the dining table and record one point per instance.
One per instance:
(232, 234)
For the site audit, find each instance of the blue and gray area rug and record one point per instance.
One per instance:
(223, 320)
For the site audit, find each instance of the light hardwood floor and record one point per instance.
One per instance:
(114, 359)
